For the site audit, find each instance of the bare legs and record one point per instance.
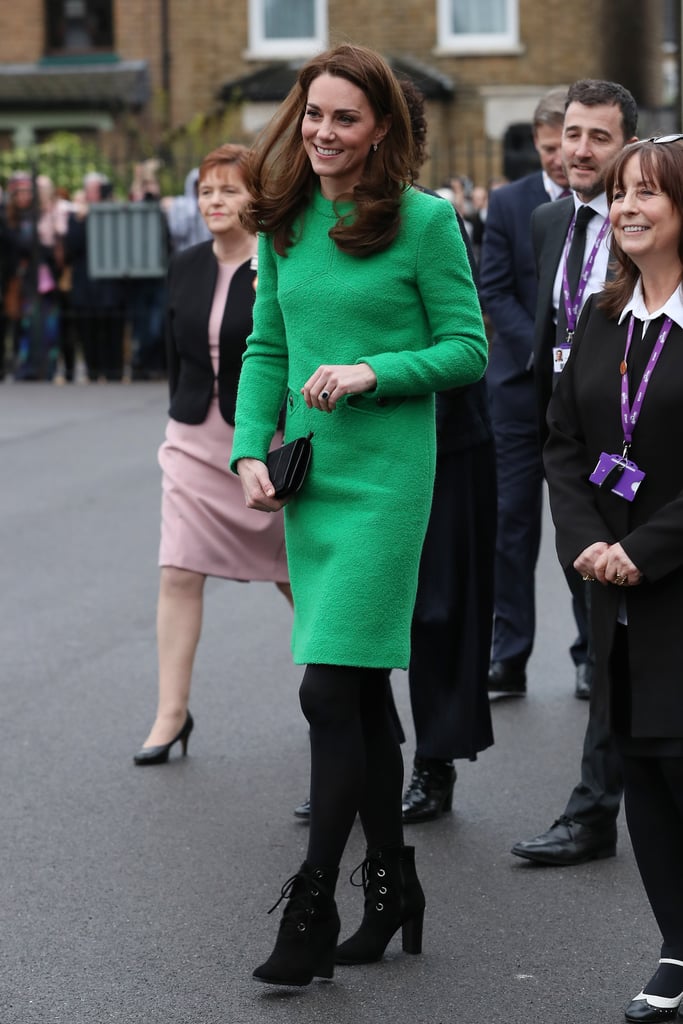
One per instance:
(179, 625)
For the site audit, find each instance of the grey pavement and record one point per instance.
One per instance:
(140, 895)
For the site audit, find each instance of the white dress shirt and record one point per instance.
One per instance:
(598, 275)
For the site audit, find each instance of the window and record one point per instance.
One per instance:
(78, 26)
(287, 28)
(478, 26)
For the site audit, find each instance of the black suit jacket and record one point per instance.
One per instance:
(549, 226)
(192, 279)
(584, 418)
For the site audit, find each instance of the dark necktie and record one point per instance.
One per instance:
(577, 248)
(574, 266)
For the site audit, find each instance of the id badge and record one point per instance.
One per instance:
(617, 474)
(560, 357)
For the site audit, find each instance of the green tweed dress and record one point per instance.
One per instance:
(354, 532)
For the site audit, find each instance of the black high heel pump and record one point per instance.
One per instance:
(159, 755)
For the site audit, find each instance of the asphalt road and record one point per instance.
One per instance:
(130, 895)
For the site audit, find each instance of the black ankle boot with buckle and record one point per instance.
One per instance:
(308, 932)
(430, 790)
(393, 899)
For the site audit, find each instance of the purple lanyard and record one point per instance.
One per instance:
(572, 307)
(629, 415)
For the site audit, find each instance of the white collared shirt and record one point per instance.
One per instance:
(673, 307)
(598, 275)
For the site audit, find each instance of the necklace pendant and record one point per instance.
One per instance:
(623, 367)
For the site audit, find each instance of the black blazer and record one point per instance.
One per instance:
(584, 419)
(192, 276)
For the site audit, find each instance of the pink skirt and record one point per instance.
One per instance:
(205, 525)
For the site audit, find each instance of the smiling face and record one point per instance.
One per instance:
(591, 138)
(221, 195)
(338, 130)
(646, 224)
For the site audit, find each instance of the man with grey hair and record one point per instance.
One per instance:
(508, 293)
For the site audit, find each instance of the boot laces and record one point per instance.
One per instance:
(302, 898)
(373, 876)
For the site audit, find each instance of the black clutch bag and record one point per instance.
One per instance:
(288, 465)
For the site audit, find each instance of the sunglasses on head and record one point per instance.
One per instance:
(665, 138)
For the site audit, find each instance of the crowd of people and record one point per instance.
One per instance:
(61, 316)
(430, 567)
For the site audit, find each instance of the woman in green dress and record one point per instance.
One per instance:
(365, 307)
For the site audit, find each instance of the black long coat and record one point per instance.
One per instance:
(584, 420)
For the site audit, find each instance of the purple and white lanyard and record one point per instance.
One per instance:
(572, 307)
(630, 414)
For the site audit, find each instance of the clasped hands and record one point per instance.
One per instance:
(607, 563)
(322, 390)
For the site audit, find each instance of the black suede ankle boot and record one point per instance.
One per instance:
(308, 930)
(393, 899)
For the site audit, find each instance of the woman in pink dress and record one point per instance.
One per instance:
(206, 528)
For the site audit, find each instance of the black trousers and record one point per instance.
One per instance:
(596, 798)
(101, 336)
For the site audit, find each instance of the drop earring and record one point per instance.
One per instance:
(374, 146)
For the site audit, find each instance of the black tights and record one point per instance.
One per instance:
(356, 761)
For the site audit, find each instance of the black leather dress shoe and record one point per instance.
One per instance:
(584, 679)
(569, 842)
(506, 679)
(430, 790)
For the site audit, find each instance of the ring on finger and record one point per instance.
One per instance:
(324, 395)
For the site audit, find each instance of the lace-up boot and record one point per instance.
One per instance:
(393, 899)
(308, 931)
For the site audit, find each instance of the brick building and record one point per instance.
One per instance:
(124, 70)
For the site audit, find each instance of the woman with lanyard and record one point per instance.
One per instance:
(616, 488)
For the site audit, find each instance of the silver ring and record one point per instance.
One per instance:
(325, 395)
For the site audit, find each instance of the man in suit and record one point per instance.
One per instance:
(508, 289)
(571, 245)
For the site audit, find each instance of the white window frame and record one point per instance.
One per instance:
(483, 42)
(260, 47)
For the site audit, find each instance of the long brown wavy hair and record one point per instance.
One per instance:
(280, 177)
(661, 167)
